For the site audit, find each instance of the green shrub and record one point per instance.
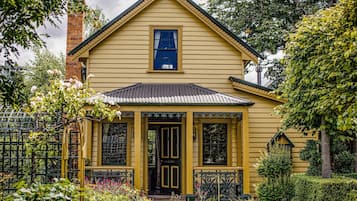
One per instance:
(344, 162)
(59, 190)
(275, 164)
(310, 188)
(311, 154)
(349, 175)
(275, 167)
(275, 191)
(351, 196)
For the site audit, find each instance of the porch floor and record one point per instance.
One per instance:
(163, 198)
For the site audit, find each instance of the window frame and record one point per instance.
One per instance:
(129, 124)
(151, 49)
(229, 141)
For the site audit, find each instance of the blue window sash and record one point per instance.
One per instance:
(165, 49)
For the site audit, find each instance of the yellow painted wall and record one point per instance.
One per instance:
(123, 58)
(263, 124)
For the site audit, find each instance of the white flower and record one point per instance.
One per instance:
(118, 113)
(77, 84)
(57, 72)
(33, 89)
(33, 104)
(65, 84)
(50, 72)
(90, 101)
(38, 98)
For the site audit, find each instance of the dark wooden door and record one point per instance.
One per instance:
(170, 159)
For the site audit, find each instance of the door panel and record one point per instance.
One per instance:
(165, 172)
(165, 146)
(175, 177)
(170, 159)
(175, 145)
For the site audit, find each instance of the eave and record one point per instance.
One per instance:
(265, 92)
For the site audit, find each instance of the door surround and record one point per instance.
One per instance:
(152, 178)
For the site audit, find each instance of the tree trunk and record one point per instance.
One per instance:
(325, 151)
(355, 153)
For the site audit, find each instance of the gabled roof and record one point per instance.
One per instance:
(170, 94)
(278, 136)
(140, 5)
(252, 88)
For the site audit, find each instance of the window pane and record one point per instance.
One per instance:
(165, 50)
(114, 143)
(214, 144)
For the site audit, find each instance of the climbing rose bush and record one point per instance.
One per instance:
(71, 100)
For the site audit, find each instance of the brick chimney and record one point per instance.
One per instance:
(74, 37)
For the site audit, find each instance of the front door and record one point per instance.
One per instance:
(166, 175)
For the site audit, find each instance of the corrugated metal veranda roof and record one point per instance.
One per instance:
(170, 94)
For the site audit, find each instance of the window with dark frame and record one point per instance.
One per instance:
(165, 49)
(114, 142)
(214, 145)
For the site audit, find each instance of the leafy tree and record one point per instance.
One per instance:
(94, 20)
(265, 24)
(36, 74)
(321, 82)
(19, 21)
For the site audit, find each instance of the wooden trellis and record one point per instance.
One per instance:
(21, 162)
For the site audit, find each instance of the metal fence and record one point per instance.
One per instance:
(122, 175)
(222, 184)
(23, 157)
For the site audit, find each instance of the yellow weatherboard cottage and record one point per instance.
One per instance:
(188, 117)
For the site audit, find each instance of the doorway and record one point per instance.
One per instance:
(164, 159)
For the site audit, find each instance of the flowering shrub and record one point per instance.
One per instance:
(109, 190)
(67, 104)
(70, 99)
(59, 190)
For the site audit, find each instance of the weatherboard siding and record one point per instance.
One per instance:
(122, 59)
(263, 124)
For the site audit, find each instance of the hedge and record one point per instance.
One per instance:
(351, 196)
(350, 175)
(310, 188)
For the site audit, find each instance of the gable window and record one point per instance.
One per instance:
(214, 144)
(114, 143)
(165, 49)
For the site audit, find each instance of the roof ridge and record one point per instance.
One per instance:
(123, 89)
(203, 88)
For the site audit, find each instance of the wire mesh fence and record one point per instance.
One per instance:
(24, 157)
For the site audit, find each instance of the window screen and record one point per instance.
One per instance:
(114, 143)
(215, 144)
